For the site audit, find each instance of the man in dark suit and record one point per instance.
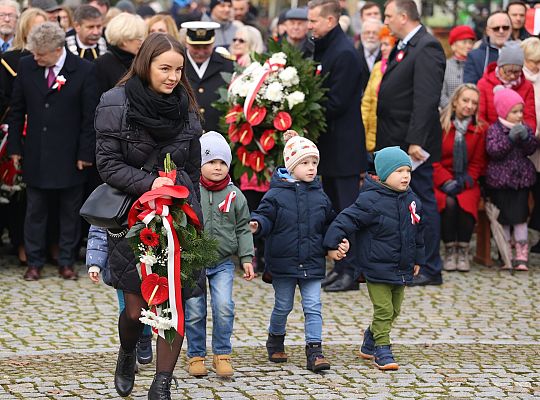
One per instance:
(342, 146)
(85, 40)
(369, 48)
(407, 115)
(203, 69)
(57, 92)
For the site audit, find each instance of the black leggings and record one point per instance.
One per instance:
(130, 328)
(457, 225)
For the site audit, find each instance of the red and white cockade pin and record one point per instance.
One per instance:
(318, 70)
(415, 218)
(60, 81)
(400, 55)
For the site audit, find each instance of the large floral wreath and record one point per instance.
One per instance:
(280, 90)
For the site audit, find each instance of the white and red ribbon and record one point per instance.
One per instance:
(415, 218)
(225, 205)
(156, 203)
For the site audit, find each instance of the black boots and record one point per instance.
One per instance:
(161, 386)
(315, 358)
(124, 376)
(276, 348)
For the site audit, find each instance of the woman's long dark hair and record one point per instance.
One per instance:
(153, 46)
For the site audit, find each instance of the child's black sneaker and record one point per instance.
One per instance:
(144, 349)
(368, 345)
(315, 358)
(384, 359)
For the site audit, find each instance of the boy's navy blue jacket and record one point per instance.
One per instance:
(389, 244)
(293, 217)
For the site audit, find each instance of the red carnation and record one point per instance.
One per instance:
(149, 237)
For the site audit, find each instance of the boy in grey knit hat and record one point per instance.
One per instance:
(226, 219)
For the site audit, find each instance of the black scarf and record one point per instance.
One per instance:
(163, 116)
(460, 147)
(125, 57)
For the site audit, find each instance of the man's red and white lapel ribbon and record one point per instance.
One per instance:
(415, 218)
(225, 205)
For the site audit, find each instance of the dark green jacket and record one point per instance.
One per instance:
(231, 229)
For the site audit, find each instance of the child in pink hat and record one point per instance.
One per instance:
(510, 173)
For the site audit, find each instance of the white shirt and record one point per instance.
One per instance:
(198, 70)
(371, 57)
(58, 66)
(406, 39)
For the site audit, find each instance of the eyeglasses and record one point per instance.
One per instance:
(511, 71)
(238, 40)
(8, 16)
(504, 28)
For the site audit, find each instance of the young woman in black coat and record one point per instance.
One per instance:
(152, 108)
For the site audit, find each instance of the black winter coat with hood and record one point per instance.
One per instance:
(121, 152)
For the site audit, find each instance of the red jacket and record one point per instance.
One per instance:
(476, 163)
(486, 109)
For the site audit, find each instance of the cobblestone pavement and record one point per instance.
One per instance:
(477, 336)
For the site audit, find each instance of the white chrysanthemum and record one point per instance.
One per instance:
(148, 259)
(295, 98)
(252, 68)
(274, 92)
(289, 77)
(278, 58)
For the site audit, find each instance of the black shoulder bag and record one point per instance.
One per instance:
(108, 207)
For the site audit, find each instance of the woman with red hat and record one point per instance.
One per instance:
(461, 40)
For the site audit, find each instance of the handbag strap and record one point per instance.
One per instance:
(151, 161)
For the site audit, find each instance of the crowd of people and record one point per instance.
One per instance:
(93, 93)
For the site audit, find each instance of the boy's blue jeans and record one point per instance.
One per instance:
(147, 330)
(310, 289)
(220, 281)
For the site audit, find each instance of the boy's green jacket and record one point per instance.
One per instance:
(231, 228)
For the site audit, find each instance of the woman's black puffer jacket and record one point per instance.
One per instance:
(121, 152)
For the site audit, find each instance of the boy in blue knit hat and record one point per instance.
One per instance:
(387, 218)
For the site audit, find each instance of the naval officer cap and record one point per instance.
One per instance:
(200, 32)
(296, 13)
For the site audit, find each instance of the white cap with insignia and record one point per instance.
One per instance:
(200, 32)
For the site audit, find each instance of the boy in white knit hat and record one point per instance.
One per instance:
(293, 217)
(226, 219)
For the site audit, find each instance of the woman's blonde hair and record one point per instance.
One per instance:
(125, 27)
(253, 38)
(24, 26)
(169, 23)
(449, 111)
(531, 49)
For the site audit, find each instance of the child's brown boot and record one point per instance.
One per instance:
(222, 365)
(196, 366)
(275, 345)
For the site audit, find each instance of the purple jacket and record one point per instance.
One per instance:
(508, 165)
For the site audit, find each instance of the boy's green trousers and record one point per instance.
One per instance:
(386, 300)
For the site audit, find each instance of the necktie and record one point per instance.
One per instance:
(50, 77)
(401, 45)
(5, 46)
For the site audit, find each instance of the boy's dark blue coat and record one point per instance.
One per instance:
(388, 243)
(293, 217)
